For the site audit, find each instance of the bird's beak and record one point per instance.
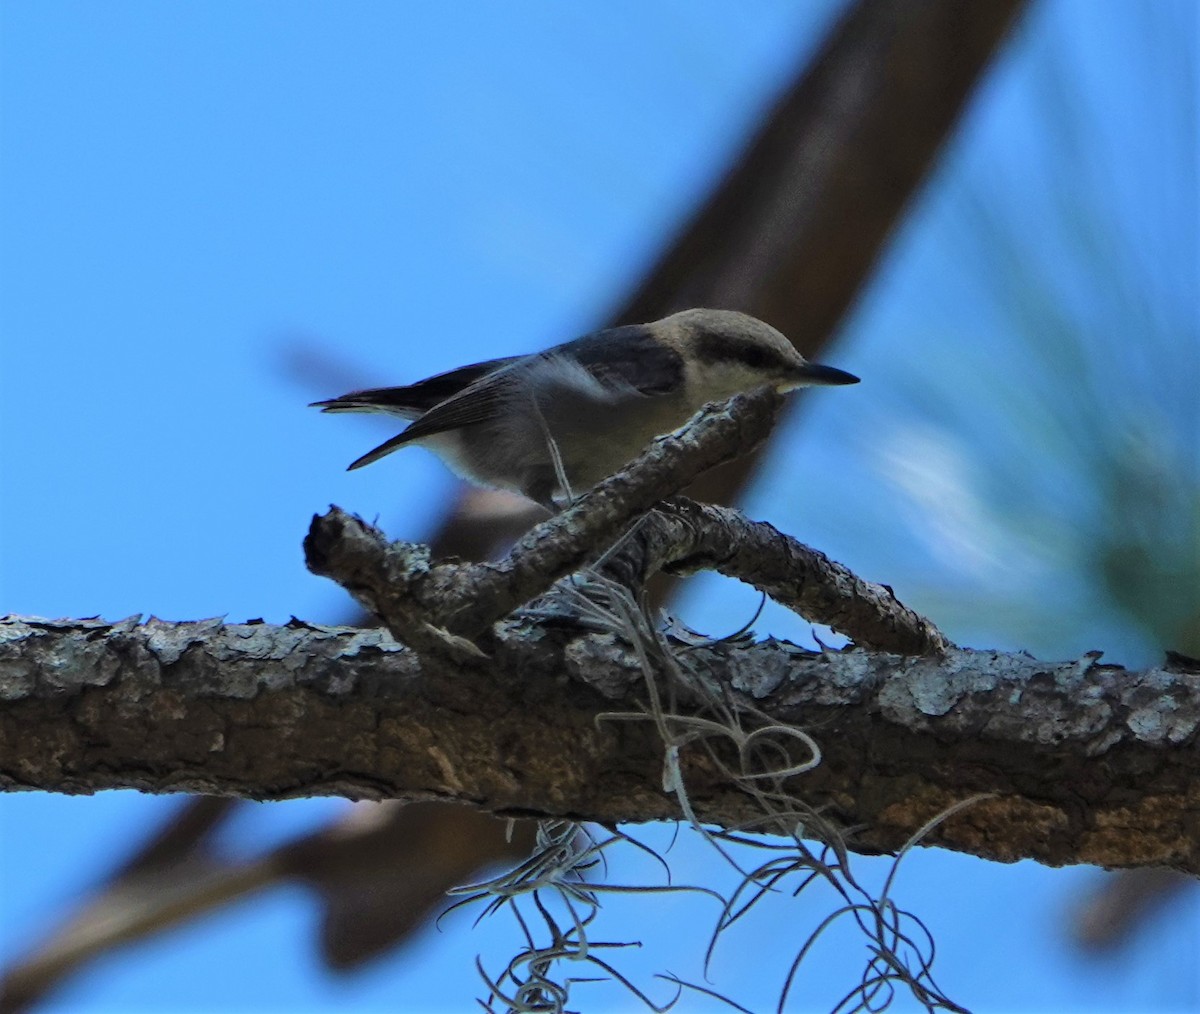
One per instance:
(825, 376)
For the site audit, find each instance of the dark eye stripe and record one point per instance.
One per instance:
(725, 349)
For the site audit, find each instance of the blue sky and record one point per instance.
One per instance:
(189, 193)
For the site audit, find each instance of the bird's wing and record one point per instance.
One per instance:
(415, 399)
(627, 361)
(630, 359)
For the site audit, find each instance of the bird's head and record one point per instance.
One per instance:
(726, 352)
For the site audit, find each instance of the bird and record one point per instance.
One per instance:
(555, 423)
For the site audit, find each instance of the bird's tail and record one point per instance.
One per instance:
(382, 451)
(415, 399)
(397, 401)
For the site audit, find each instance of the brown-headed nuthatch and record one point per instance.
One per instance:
(596, 402)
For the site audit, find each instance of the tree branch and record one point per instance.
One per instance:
(686, 537)
(1086, 762)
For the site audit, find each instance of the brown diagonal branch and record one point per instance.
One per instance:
(795, 226)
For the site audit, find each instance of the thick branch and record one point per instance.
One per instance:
(1088, 763)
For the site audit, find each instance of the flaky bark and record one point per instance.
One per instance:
(1086, 762)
